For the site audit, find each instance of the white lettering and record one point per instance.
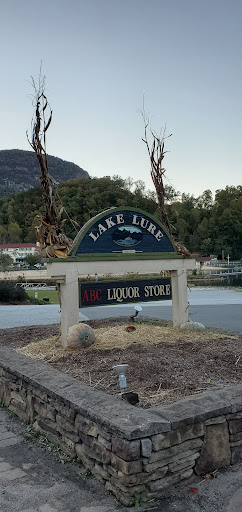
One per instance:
(168, 289)
(101, 229)
(119, 295)
(151, 229)
(110, 296)
(130, 293)
(125, 293)
(110, 223)
(134, 221)
(136, 291)
(159, 235)
(93, 236)
(120, 218)
(156, 290)
(150, 290)
(144, 222)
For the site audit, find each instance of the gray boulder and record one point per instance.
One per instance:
(80, 335)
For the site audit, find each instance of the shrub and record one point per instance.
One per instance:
(10, 293)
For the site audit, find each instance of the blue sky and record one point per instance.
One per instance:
(100, 58)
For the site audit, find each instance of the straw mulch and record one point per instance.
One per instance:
(164, 363)
(107, 338)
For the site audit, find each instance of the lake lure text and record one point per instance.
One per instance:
(116, 220)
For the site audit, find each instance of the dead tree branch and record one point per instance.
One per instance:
(53, 242)
(156, 151)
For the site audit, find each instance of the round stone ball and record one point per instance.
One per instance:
(80, 336)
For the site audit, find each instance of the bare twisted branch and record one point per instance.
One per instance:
(53, 242)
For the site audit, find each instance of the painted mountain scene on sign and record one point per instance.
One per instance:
(127, 236)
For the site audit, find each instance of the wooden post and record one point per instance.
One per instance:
(179, 296)
(69, 303)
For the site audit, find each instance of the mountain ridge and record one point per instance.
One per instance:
(19, 170)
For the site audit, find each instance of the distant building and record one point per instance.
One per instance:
(202, 260)
(19, 251)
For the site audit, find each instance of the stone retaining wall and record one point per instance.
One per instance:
(130, 450)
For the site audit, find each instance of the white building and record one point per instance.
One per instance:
(19, 251)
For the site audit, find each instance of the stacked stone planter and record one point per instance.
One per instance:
(130, 450)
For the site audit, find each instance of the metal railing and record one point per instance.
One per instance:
(29, 286)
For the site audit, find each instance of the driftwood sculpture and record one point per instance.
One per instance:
(53, 241)
(156, 151)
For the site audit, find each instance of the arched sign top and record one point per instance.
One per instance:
(123, 230)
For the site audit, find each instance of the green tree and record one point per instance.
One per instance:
(205, 200)
(14, 232)
(5, 261)
(204, 226)
(206, 246)
(32, 259)
(3, 235)
(171, 194)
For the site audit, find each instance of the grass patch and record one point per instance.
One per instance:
(52, 295)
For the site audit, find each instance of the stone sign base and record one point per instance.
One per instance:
(130, 450)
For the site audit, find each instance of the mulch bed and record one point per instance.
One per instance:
(165, 364)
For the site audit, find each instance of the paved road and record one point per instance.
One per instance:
(31, 480)
(219, 308)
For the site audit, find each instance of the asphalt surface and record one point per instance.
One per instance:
(220, 308)
(32, 480)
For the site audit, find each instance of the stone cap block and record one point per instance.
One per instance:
(196, 409)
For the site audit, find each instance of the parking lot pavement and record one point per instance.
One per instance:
(32, 480)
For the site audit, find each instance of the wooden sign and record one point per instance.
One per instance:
(126, 230)
(118, 292)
